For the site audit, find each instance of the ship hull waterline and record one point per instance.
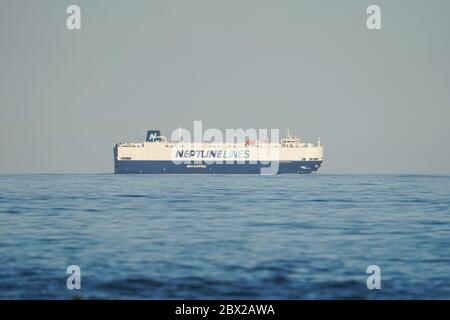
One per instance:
(170, 167)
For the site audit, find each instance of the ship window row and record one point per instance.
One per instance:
(227, 146)
(303, 145)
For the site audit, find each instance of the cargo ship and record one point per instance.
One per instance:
(158, 155)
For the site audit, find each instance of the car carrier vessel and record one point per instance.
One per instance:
(158, 155)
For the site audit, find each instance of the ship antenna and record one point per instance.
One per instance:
(288, 133)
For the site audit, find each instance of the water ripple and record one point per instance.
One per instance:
(242, 237)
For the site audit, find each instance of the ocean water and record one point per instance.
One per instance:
(227, 237)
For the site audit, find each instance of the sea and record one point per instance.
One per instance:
(315, 236)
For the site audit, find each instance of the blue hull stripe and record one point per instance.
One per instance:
(168, 167)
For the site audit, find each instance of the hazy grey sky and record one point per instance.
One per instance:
(379, 100)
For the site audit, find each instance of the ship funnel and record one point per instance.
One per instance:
(153, 135)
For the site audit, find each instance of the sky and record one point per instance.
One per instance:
(378, 99)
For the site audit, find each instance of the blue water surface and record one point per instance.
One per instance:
(224, 236)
